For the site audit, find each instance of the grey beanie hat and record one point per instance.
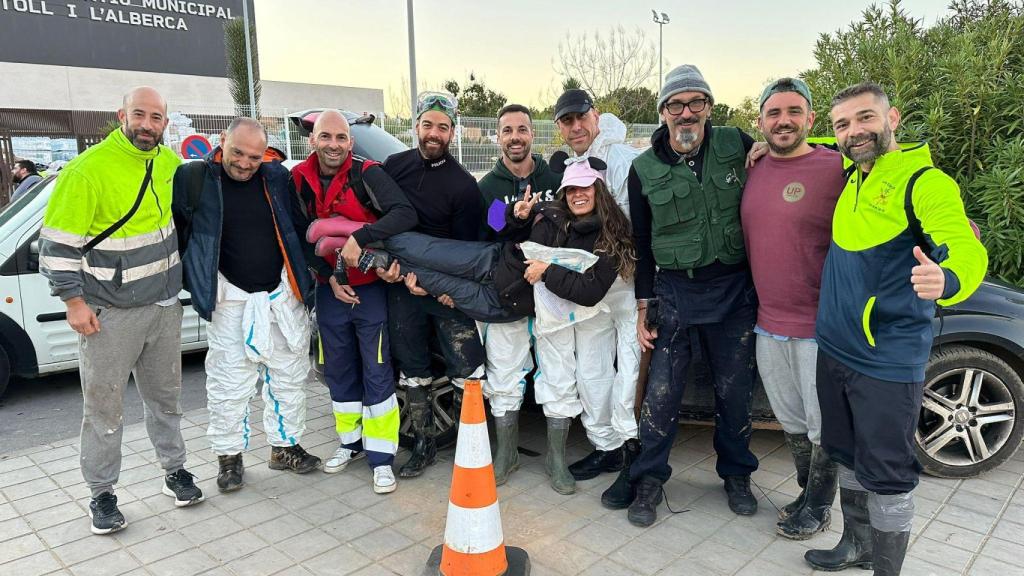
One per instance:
(685, 78)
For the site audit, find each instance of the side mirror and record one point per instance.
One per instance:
(32, 263)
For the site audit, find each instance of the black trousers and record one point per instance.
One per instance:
(728, 347)
(868, 425)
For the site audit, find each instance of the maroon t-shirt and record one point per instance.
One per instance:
(787, 223)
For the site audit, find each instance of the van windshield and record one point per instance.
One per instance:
(8, 211)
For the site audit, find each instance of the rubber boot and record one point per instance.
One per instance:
(554, 464)
(816, 513)
(506, 454)
(855, 547)
(890, 548)
(800, 446)
(421, 415)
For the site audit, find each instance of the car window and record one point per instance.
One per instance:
(9, 211)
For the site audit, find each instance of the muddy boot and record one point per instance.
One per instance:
(554, 464)
(421, 415)
(506, 454)
(855, 547)
(622, 492)
(890, 548)
(800, 446)
(294, 458)
(814, 516)
(229, 478)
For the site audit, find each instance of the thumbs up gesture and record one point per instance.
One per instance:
(927, 278)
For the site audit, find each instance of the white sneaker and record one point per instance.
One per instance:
(342, 456)
(384, 480)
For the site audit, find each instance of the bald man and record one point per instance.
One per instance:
(109, 249)
(351, 202)
(247, 275)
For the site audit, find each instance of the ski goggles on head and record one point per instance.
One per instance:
(445, 103)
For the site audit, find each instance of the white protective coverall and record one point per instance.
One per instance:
(260, 336)
(608, 401)
(507, 346)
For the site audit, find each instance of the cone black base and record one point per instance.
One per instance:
(518, 562)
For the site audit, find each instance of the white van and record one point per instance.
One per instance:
(35, 338)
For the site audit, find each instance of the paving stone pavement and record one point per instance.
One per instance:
(285, 524)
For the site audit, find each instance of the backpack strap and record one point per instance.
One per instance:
(912, 221)
(196, 179)
(364, 193)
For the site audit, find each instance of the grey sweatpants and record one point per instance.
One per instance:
(788, 371)
(146, 342)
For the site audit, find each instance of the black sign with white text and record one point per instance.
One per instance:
(166, 36)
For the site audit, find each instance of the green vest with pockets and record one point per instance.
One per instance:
(693, 223)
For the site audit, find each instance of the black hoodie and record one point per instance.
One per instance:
(501, 186)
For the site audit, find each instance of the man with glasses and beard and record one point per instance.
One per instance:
(901, 244)
(508, 344)
(109, 248)
(684, 197)
(448, 204)
(787, 224)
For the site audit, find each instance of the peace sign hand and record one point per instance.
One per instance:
(525, 206)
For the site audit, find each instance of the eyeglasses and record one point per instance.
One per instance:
(437, 101)
(697, 106)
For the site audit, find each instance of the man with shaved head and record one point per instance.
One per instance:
(350, 202)
(109, 248)
(244, 267)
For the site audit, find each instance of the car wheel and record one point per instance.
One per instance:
(970, 419)
(5, 371)
(442, 399)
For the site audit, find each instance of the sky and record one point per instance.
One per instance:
(513, 45)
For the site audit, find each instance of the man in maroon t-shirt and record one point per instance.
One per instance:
(787, 223)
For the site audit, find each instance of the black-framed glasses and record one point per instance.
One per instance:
(676, 107)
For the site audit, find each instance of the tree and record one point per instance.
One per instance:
(602, 63)
(960, 88)
(476, 99)
(632, 106)
(238, 73)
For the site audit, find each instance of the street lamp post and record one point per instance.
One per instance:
(412, 65)
(660, 20)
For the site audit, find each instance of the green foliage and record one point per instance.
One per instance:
(109, 127)
(476, 99)
(571, 83)
(238, 73)
(743, 117)
(959, 86)
(635, 106)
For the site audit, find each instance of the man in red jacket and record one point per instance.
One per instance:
(336, 186)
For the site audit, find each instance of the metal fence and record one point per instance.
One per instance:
(475, 144)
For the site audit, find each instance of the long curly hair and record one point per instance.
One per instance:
(616, 236)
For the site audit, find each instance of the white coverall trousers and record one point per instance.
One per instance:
(261, 336)
(508, 362)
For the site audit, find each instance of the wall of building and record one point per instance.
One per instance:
(67, 88)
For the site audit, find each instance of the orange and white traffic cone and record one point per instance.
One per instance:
(473, 540)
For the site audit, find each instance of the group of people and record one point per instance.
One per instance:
(818, 267)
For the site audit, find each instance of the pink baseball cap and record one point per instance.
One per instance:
(579, 174)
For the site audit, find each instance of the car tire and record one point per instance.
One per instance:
(5, 371)
(445, 419)
(971, 416)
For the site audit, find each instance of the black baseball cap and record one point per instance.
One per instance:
(573, 101)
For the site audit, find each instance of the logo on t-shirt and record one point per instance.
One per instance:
(793, 192)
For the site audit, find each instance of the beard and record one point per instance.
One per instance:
(135, 136)
(433, 154)
(687, 134)
(871, 153)
(800, 134)
(516, 157)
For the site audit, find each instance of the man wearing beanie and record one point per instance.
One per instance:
(610, 422)
(695, 296)
(787, 223)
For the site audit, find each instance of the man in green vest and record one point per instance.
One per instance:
(695, 296)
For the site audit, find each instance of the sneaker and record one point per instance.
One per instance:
(106, 518)
(294, 458)
(384, 480)
(644, 510)
(181, 486)
(229, 478)
(342, 456)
